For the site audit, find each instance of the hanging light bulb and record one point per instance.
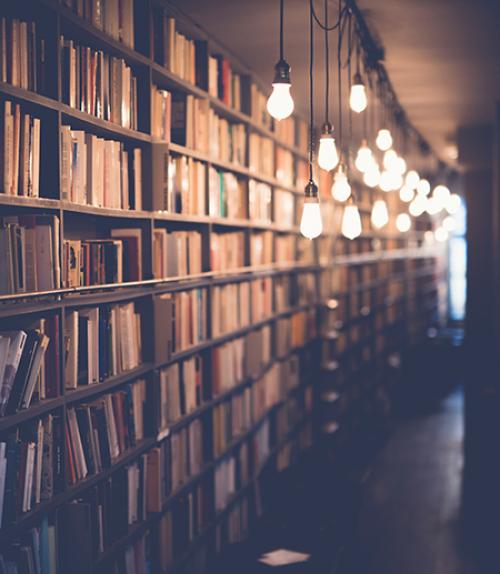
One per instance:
(379, 215)
(442, 194)
(433, 206)
(418, 205)
(412, 178)
(428, 237)
(406, 193)
(351, 221)
(389, 160)
(423, 187)
(280, 102)
(357, 99)
(441, 234)
(384, 140)
(311, 224)
(371, 177)
(403, 222)
(363, 157)
(341, 189)
(399, 165)
(396, 180)
(328, 158)
(386, 181)
(453, 203)
(449, 223)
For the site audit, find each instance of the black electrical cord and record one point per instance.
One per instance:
(323, 26)
(281, 28)
(327, 66)
(311, 91)
(339, 64)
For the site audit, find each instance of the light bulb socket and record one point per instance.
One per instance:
(357, 80)
(282, 72)
(327, 129)
(311, 191)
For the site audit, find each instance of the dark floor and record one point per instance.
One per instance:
(399, 514)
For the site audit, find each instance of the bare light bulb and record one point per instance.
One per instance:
(311, 224)
(423, 187)
(385, 181)
(363, 157)
(341, 190)
(406, 193)
(371, 177)
(280, 102)
(428, 237)
(390, 159)
(412, 178)
(379, 215)
(351, 222)
(433, 206)
(453, 203)
(399, 165)
(403, 222)
(442, 194)
(328, 158)
(396, 180)
(357, 98)
(384, 140)
(441, 234)
(418, 205)
(449, 223)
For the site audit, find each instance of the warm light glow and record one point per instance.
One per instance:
(423, 187)
(418, 205)
(363, 158)
(384, 139)
(280, 102)
(406, 193)
(429, 237)
(412, 178)
(311, 225)
(403, 222)
(399, 165)
(351, 222)
(357, 99)
(328, 158)
(396, 180)
(341, 190)
(380, 215)
(441, 234)
(371, 177)
(386, 181)
(390, 159)
(453, 203)
(442, 194)
(433, 206)
(449, 223)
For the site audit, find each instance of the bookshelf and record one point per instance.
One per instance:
(259, 412)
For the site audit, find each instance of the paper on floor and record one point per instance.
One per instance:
(281, 557)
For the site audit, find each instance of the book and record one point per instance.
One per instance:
(259, 113)
(161, 114)
(284, 167)
(261, 248)
(30, 246)
(227, 195)
(230, 307)
(99, 172)
(189, 121)
(224, 83)
(261, 155)
(176, 254)
(114, 17)
(227, 251)
(260, 202)
(227, 140)
(101, 342)
(98, 84)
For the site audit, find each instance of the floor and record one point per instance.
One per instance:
(399, 514)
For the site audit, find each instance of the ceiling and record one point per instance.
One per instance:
(442, 56)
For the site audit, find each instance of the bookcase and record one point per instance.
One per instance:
(172, 329)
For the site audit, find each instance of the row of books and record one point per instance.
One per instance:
(261, 155)
(284, 208)
(114, 17)
(180, 322)
(19, 151)
(103, 261)
(294, 331)
(189, 121)
(261, 248)
(223, 82)
(227, 251)
(284, 166)
(230, 419)
(260, 202)
(230, 307)
(227, 141)
(29, 246)
(22, 54)
(240, 359)
(258, 108)
(99, 172)
(184, 188)
(98, 84)
(286, 251)
(23, 369)
(176, 254)
(291, 290)
(101, 342)
(180, 390)
(234, 527)
(227, 195)
(97, 433)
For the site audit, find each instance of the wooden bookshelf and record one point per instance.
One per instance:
(303, 345)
